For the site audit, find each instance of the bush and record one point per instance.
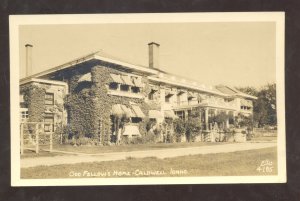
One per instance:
(149, 137)
(82, 141)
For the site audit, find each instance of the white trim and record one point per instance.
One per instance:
(125, 94)
(127, 65)
(186, 86)
(54, 82)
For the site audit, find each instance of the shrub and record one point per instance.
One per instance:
(149, 137)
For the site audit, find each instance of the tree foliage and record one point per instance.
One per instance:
(264, 108)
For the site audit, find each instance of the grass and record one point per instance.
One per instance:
(242, 163)
(132, 147)
(264, 138)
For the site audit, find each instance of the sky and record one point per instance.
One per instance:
(231, 53)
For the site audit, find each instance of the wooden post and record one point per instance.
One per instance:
(22, 138)
(37, 138)
(61, 131)
(206, 119)
(51, 141)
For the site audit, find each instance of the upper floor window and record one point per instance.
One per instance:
(49, 99)
(124, 87)
(135, 89)
(151, 95)
(167, 99)
(113, 86)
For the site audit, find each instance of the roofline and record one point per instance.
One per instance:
(128, 65)
(91, 57)
(246, 95)
(29, 80)
(62, 66)
(187, 86)
(239, 93)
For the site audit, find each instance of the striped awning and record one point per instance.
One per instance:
(117, 78)
(131, 130)
(121, 110)
(246, 103)
(116, 110)
(170, 114)
(86, 77)
(128, 112)
(127, 80)
(169, 93)
(137, 82)
(138, 112)
(181, 91)
(155, 114)
(191, 95)
(154, 88)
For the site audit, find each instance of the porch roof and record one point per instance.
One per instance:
(170, 114)
(155, 114)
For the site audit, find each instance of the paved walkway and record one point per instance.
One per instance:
(159, 153)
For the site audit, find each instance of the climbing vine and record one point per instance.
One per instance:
(90, 105)
(34, 98)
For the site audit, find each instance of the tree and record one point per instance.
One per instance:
(192, 128)
(179, 128)
(264, 108)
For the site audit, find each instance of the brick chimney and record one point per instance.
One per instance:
(28, 60)
(153, 55)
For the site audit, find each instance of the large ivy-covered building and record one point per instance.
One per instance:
(101, 97)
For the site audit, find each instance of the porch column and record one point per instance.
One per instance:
(206, 118)
(185, 115)
(227, 120)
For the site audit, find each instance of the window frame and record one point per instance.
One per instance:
(48, 125)
(48, 99)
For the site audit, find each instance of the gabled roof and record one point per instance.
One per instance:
(233, 92)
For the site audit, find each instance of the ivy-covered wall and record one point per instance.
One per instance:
(34, 98)
(89, 104)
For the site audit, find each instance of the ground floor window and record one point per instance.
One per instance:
(49, 123)
(180, 114)
(24, 115)
(136, 119)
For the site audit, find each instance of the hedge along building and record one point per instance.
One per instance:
(102, 97)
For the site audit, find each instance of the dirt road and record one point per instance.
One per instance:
(161, 153)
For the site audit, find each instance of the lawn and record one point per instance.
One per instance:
(264, 138)
(131, 147)
(242, 163)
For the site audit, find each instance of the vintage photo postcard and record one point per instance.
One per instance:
(127, 99)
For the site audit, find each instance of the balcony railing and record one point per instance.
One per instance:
(213, 103)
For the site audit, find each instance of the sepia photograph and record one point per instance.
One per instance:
(122, 99)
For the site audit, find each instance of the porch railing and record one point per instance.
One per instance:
(33, 136)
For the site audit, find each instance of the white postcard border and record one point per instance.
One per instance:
(16, 20)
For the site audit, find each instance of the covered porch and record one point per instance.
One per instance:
(206, 114)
